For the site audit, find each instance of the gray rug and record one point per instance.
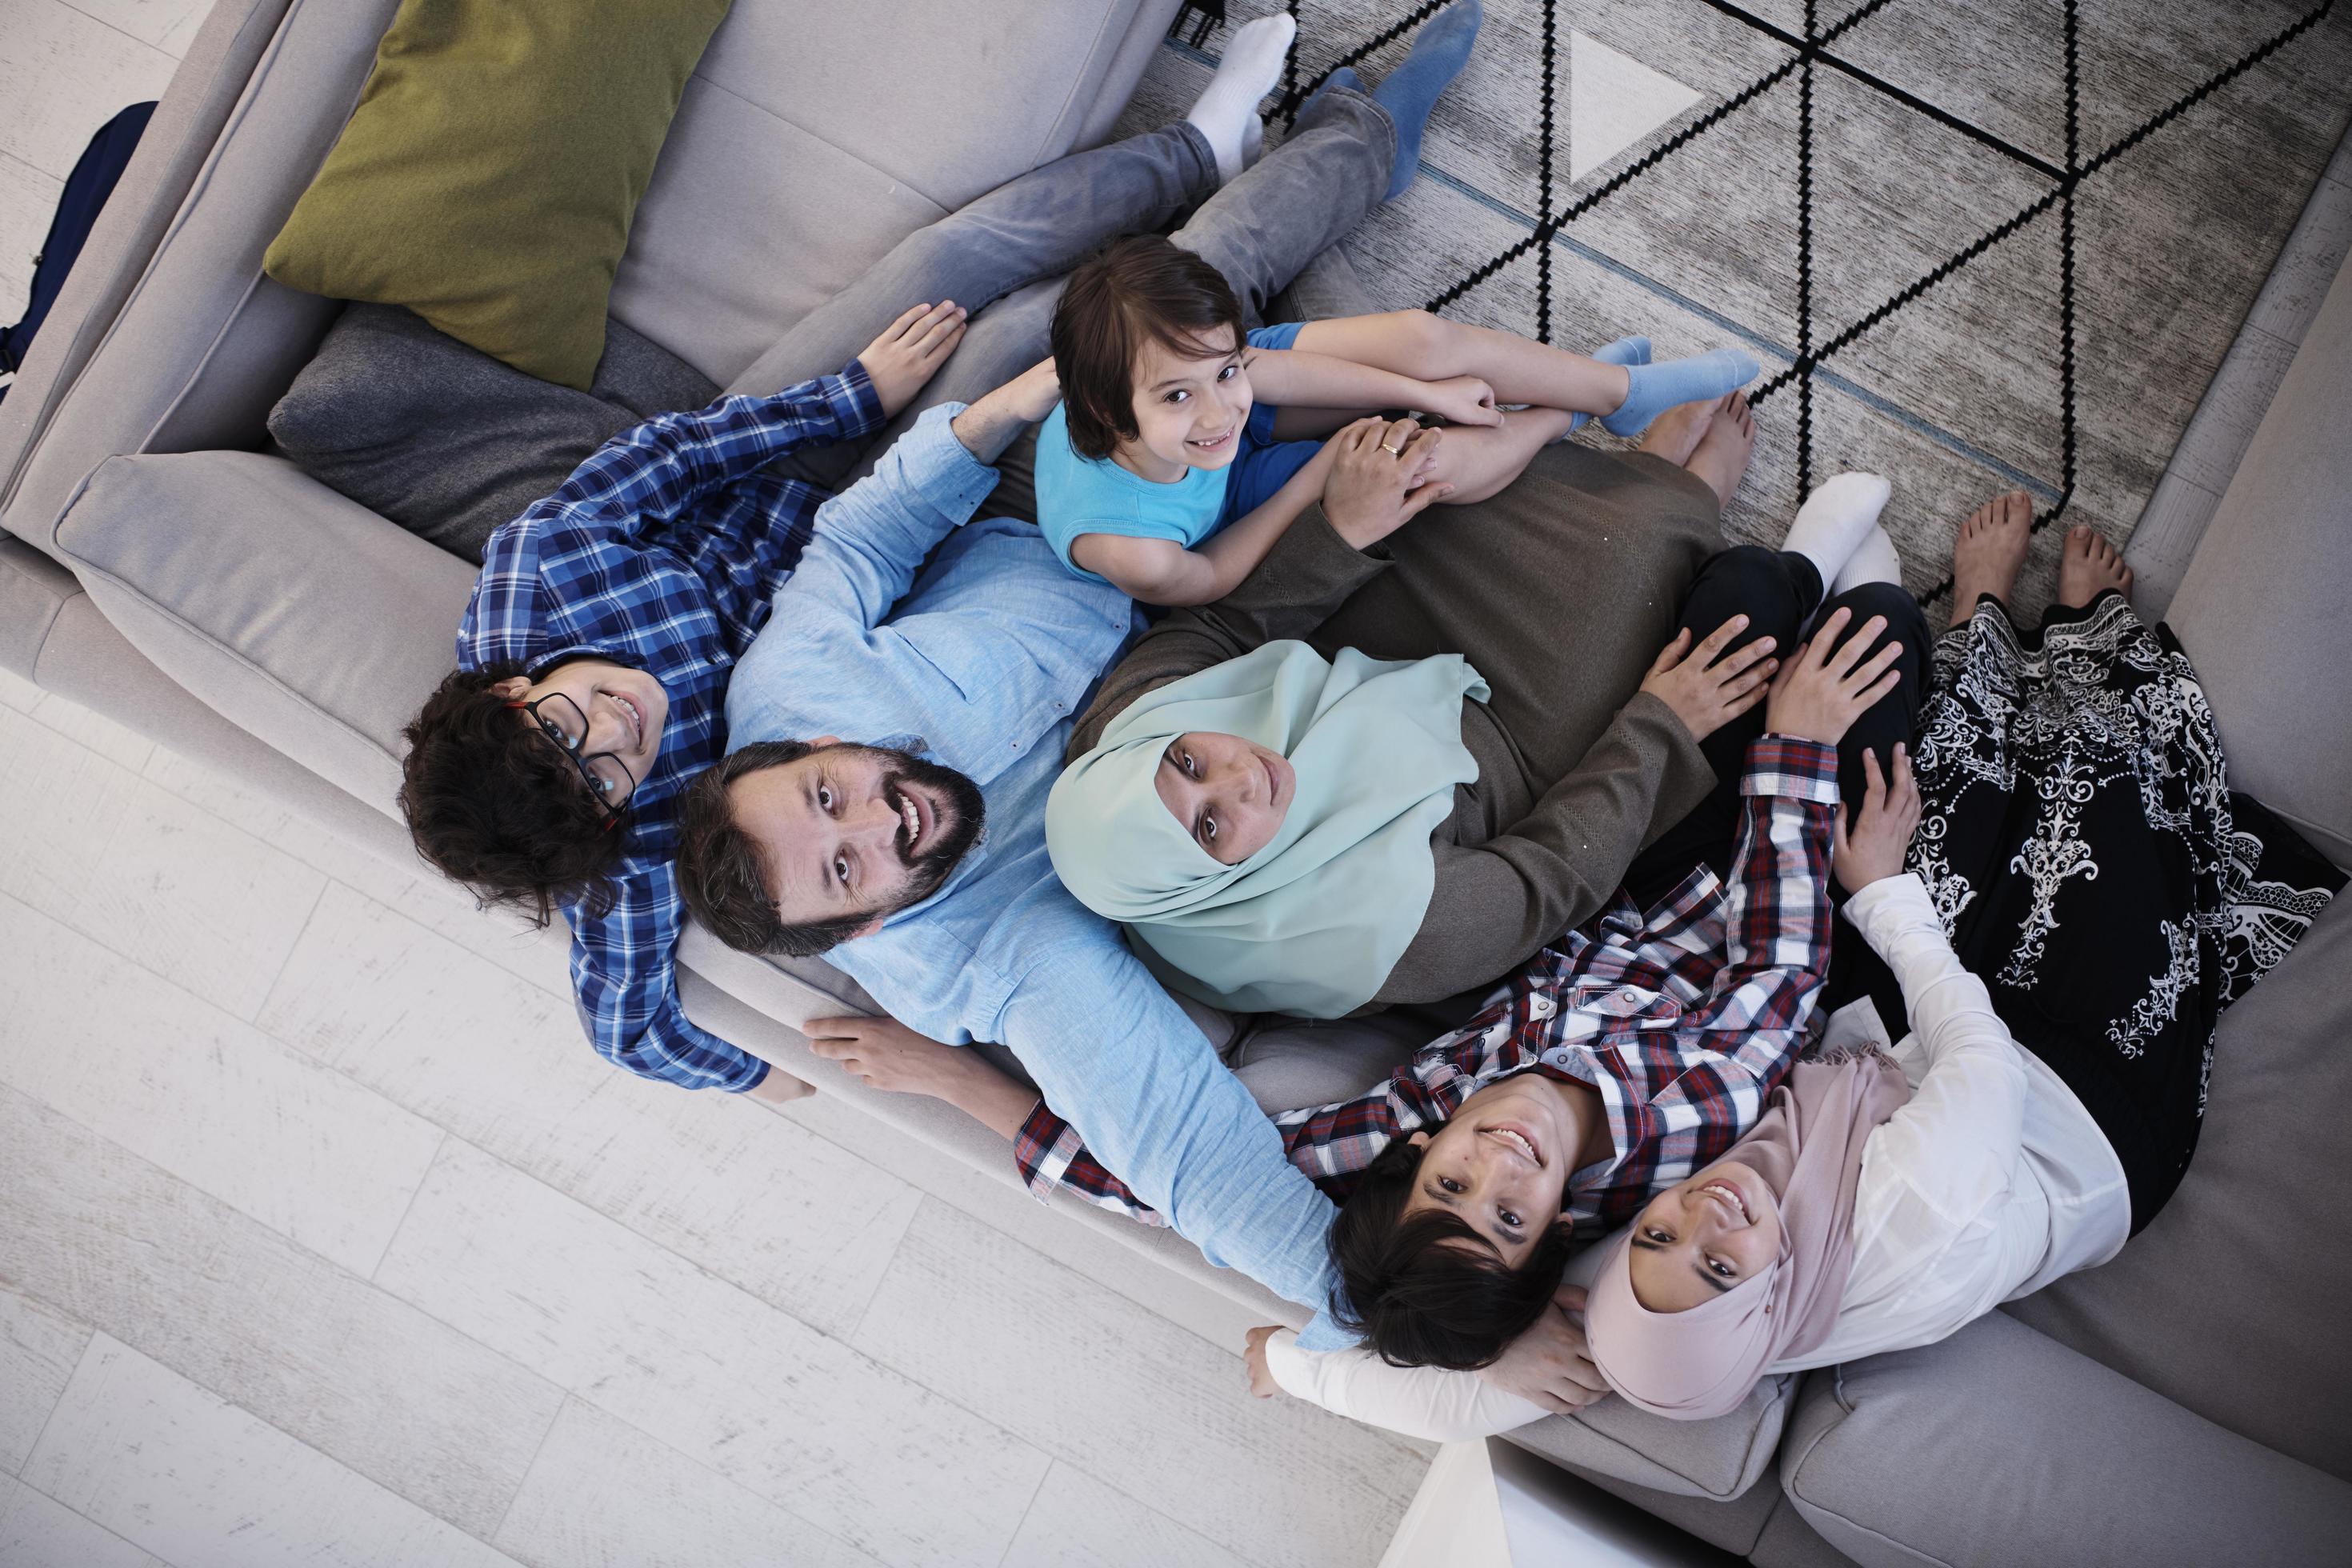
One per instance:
(1963, 264)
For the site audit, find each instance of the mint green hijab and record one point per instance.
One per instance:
(1315, 921)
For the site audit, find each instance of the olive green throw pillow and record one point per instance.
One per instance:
(488, 178)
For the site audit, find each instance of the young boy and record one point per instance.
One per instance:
(1186, 445)
(1627, 1055)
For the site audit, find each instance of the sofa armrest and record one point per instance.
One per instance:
(303, 617)
(203, 344)
(2263, 609)
(2001, 1446)
(1718, 1460)
(172, 154)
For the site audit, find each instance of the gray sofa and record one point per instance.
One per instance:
(2182, 1405)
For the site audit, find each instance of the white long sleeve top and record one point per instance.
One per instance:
(1988, 1183)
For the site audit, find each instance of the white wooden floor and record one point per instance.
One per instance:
(326, 1237)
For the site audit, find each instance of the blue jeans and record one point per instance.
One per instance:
(1006, 254)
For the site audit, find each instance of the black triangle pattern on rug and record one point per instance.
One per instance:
(1811, 52)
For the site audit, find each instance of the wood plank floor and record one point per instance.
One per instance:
(328, 1239)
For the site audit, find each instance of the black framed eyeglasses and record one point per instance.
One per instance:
(610, 782)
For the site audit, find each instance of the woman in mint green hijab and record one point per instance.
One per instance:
(1355, 760)
(1284, 824)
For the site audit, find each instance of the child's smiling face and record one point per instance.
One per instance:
(1189, 411)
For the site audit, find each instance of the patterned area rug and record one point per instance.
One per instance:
(1979, 245)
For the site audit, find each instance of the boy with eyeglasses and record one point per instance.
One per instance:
(590, 688)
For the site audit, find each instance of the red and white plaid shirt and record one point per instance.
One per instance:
(1683, 1020)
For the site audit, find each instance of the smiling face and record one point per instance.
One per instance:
(1502, 1163)
(1703, 1236)
(624, 710)
(849, 831)
(1189, 409)
(1231, 794)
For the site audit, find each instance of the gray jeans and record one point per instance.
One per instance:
(1006, 254)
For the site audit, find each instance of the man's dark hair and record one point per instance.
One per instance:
(1426, 1290)
(725, 882)
(1142, 288)
(495, 805)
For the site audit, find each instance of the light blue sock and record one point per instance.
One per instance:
(1344, 77)
(1626, 351)
(1410, 91)
(1651, 389)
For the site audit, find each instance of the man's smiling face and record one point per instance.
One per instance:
(853, 830)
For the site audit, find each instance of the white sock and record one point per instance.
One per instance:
(1835, 518)
(1252, 66)
(1873, 561)
(1253, 141)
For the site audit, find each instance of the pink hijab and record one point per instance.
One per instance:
(1808, 1147)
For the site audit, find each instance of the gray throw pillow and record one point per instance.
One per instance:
(446, 441)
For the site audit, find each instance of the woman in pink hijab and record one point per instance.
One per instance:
(2084, 896)
(1745, 1264)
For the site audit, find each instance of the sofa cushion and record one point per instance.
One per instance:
(1718, 1460)
(1999, 1446)
(2224, 1302)
(324, 641)
(2263, 610)
(446, 441)
(801, 153)
(489, 177)
(1286, 1063)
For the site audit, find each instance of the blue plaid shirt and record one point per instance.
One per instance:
(663, 551)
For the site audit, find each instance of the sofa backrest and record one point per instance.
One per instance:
(814, 135)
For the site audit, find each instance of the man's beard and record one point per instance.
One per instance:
(958, 814)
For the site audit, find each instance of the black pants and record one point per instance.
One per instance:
(1778, 591)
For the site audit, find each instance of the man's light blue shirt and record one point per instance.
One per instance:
(974, 646)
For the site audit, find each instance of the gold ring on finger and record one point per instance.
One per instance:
(1392, 451)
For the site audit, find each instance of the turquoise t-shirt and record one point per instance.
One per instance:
(1088, 495)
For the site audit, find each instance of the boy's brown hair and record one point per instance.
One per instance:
(1142, 289)
(1426, 1289)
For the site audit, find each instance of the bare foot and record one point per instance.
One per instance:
(1675, 433)
(1988, 551)
(2090, 566)
(1721, 456)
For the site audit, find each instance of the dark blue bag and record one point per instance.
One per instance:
(92, 181)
